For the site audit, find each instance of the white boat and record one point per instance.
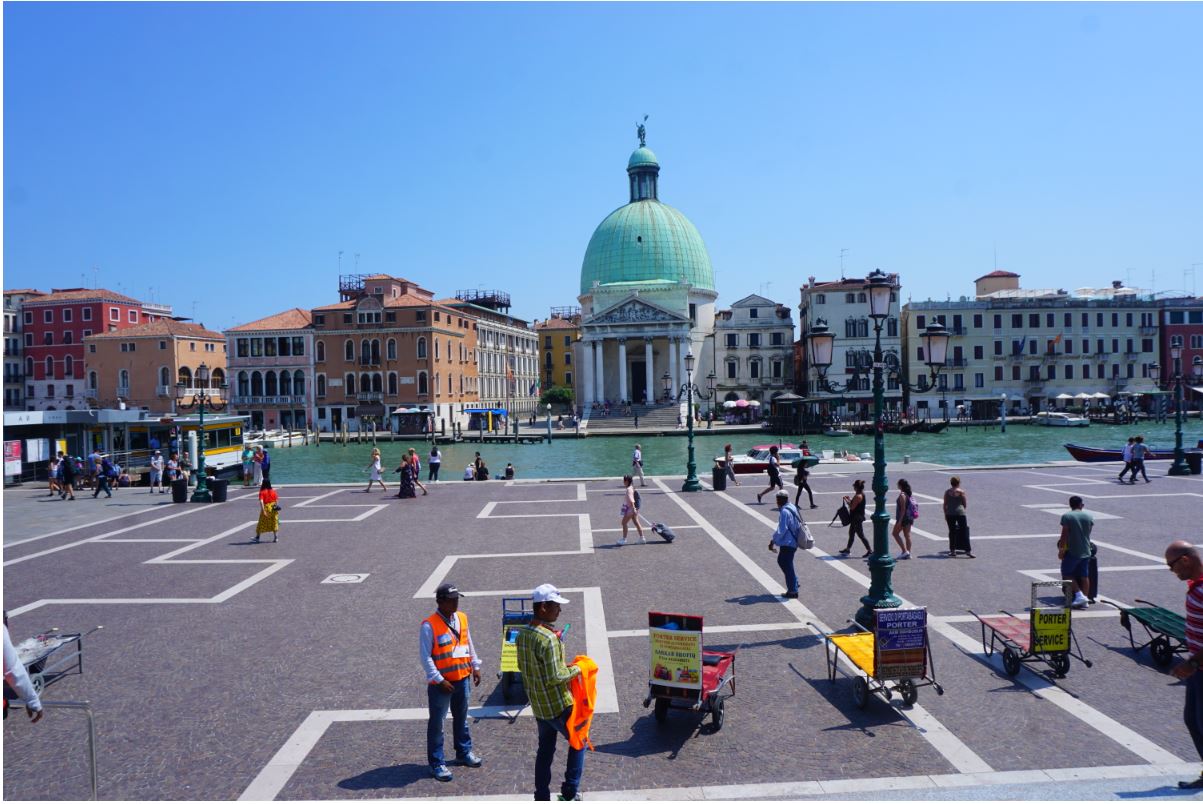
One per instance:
(757, 459)
(836, 432)
(1055, 419)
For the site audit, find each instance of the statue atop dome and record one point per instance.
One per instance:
(641, 132)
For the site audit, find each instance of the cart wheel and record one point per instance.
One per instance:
(1162, 653)
(909, 692)
(1060, 663)
(38, 681)
(662, 705)
(860, 691)
(1011, 662)
(718, 711)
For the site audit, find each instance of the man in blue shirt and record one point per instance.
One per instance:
(791, 533)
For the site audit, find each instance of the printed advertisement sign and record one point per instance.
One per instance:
(901, 643)
(509, 647)
(37, 449)
(1050, 630)
(676, 658)
(12, 458)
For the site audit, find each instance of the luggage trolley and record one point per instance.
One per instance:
(50, 656)
(1046, 636)
(1166, 630)
(682, 674)
(515, 613)
(894, 657)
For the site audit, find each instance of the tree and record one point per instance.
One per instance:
(557, 394)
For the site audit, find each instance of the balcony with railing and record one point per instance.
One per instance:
(165, 390)
(123, 391)
(292, 399)
(369, 396)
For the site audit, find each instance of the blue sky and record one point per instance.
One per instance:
(217, 157)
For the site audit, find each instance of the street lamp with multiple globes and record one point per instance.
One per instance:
(935, 341)
(202, 398)
(1179, 467)
(689, 390)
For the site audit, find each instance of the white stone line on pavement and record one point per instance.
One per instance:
(1096, 612)
(674, 527)
(1066, 478)
(1087, 496)
(311, 500)
(144, 541)
(92, 525)
(1130, 568)
(724, 629)
(956, 752)
(98, 538)
(375, 509)
(1158, 560)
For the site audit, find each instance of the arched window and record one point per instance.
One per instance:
(123, 380)
(256, 384)
(450, 382)
(244, 384)
(321, 385)
(349, 351)
(437, 379)
(298, 383)
(392, 349)
(377, 383)
(461, 384)
(365, 351)
(69, 367)
(67, 338)
(421, 350)
(449, 352)
(375, 352)
(286, 383)
(350, 385)
(186, 376)
(321, 351)
(423, 389)
(436, 348)
(365, 383)
(270, 386)
(92, 380)
(217, 378)
(392, 382)
(49, 368)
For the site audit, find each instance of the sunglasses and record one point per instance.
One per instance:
(1171, 564)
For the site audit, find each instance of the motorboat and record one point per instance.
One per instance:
(1057, 419)
(1096, 455)
(836, 432)
(756, 459)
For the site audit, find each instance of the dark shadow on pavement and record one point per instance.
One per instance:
(751, 600)
(1157, 792)
(392, 776)
(649, 738)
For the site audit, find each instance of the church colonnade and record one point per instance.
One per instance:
(621, 368)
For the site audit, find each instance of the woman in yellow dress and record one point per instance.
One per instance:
(269, 512)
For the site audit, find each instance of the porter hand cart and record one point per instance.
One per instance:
(1166, 630)
(516, 612)
(51, 656)
(894, 657)
(684, 676)
(1046, 635)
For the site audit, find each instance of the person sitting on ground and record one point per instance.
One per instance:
(509, 471)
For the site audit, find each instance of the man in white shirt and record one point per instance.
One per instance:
(637, 464)
(156, 472)
(17, 677)
(1127, 456)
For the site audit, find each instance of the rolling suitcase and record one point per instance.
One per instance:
(1093, 573)
(959, 540)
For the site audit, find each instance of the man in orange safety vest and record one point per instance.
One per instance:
(449, 661)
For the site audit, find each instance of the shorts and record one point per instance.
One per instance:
(626, 509)
(156, 477)
(1075, 567)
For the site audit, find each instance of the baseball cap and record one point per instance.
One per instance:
(547, 593)
(447, 591)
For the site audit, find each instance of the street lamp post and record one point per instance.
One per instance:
(202, 398)
(1179, 467)
(821, 340)
(689, 390)
(1002, 412)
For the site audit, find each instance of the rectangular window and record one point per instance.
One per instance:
(1051, 372)
(1069, 372)
(1086, 371)
(998, 347)
(1069, 346)
(778, 339)
(1049, 319)
(269, 347)
(319, 320)
(957, 323)
(28, 317)
(1115, 319)
(998, 321)
(48, 316)
(1016, 321)
(67, 315)
(731, 370)
(1128, 320)
(820, 298)
(567, 340)
(1034, 320)
(133, 316)
(256, 347)
(1146, 344)
(242, 347)
(436, 315)
(1014, 372)
(754, 369)
(298, 346)
(114, 314)
(778, 368)
(568, 378)
(162, 345)
(977, 320)
(87, 333)
(546, 341)
(1032, 344)
(754, 312)
(998, 373)
(754, 340)
(979, 380)
(420, 315)
(568, 358)
(978, 352)
(920, 322)
(390, 317)
(732, 340)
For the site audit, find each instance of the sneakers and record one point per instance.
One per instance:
(845, 552)
(904, 555)
(471, 759)
(1193, 784)
(812, 505)
(620, 542)
(790, 595)
(440, 772)
(1080, 601)
(560, 797)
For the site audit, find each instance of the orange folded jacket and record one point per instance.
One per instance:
(584, 698)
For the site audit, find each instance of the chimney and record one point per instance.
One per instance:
(1116, 284)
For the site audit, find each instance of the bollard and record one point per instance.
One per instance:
(906, 458)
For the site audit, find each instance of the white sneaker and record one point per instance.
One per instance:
(1080, 601)
(620, 542)
(904, 555)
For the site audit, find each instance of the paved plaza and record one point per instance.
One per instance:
(228, 669)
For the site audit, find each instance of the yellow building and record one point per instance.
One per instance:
(556, 338)
(140, 366)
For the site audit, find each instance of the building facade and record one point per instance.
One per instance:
(56, 325)
(557, 337)
(14, 347)
(755, 350)
(507, 353)
(1182, 328)
(647, 297)
(389, 344)
(271, 370)
(140, 366)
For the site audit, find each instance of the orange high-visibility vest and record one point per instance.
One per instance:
(447, 644)
(584, 698)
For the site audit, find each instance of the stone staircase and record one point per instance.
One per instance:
(651, 417)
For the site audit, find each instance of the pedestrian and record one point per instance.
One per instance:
(482, 471)
(67, 467)
(1140, 451)
(52, 474)
(416, 464)
(433, 463)
(173, 468)
(375, 469)
(791, 533)
(1127, 456)
(637, 464)
(248, 465)
(774, 473)
(269, 512)
(509, 471)
(1073, 548)
(801, 480)
(264, 461)
(905, 510)
(729, 464)
(1183, 560)
(630, 510)
(104, 475)
(17, 677)
(470, 472)
(156, 472)
(856, 518)
(546, 677)
(955, 503)
(450, 662)
(406, 469)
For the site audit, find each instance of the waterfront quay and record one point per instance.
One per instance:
(229, 669)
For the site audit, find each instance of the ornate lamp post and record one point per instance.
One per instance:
(202, 398)
(935, 340)
(689, 390)
(1002, 411)
(1179, 467)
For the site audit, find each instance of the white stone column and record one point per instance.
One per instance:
(672, 365)
(599, 371)
(651, 374)
(622, 369)
(587, 380)
(682, 350)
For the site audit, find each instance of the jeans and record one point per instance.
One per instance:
(439, 702)
(785, 560)
(1193, 711)
(433, 471)
(549, 730)
(102, 484)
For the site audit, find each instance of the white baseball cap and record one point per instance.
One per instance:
(547, 594)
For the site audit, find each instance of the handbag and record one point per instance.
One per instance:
(843, 515)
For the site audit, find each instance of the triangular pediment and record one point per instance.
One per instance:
(754, 301)
(633, 310)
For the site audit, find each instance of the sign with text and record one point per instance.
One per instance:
(1050, 630)
(37, 449)
(676, 658)
(901, 643)
(12, 458)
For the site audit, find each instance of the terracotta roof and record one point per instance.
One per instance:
(400, 301)
(162, 327)
(83, 294)
(557, 323)
(296, 318)
(26, 291)
(998, 274)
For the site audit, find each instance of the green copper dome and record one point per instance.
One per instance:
(646, 241)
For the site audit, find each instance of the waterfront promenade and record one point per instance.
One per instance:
(229, 669)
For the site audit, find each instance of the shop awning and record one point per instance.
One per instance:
(494, 411)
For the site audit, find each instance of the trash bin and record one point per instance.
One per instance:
(179, 491)
(720, 474)
(1195, 461)
(218, 488)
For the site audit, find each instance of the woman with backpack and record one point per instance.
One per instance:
(856, 518)
(906, 511)
(630, 511)
(774, 470)
(801, 481)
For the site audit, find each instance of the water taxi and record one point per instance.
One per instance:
(1056, 419)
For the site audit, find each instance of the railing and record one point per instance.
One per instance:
(370, 396)
(268, 400)
(1148, 330)
(164, 390)
(370, 361)
(957, 362)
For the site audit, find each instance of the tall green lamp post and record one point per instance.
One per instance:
(689, 391)
(202, 398)
(821, 341)
(1179, 467)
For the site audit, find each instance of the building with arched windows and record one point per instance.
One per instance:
(271, 370)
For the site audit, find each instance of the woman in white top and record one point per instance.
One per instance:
(374, 468)
(433, 463)
(630, 511)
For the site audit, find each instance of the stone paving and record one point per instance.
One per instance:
(228, 669)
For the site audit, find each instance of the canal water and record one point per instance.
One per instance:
(606, 456)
